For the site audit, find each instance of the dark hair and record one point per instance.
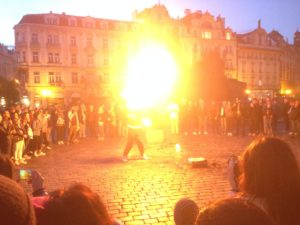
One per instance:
(6, 166)
(269, 172)
(185, 212)
(77, 205)
(15, 205)
(233, 211)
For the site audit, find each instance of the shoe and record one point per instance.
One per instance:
(48, 147)
(124, 158)
(27, 157)
(76, 141)
(36, 154)
(17, 162)
(42, 153)
(23, 161)
(62, 142)
(144, 157)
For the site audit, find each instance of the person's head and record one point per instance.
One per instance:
(185, 212)
(232, 211)
(6, 114)
(6, 166)
(77, 205)
(269, 171)
(15, 205)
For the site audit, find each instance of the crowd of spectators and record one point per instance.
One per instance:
(29, 132)
(252, 117)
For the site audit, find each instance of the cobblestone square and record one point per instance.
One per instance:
(145, 191)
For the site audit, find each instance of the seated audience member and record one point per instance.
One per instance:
(15, 205)
(185, 212)
(77, 205)
(233, 211)
(6, 166)
(270, 178)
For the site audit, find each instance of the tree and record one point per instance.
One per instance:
(8, 90)
(207, 78)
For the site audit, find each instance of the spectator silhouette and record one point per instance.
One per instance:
(270, 178)
(15, 205)
(233, 211)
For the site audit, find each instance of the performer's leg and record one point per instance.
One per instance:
(140, 145)
(129, 144)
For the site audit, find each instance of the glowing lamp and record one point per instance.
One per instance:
(288, 91)
(247, 91)
(25, 101)
(2, 101)
(46, 93)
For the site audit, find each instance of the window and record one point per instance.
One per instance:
(206, 35)
(34, 38)
(55, 39)
(105, 43)
(57, 78)
(72, 22)
(35, 57)
(56, 58)
(106, 60)
(36, 78)
(74, 78)
(89, 40)
(228, 36)
(73, 41)
(52, 21)
(18, 57)
(90, 59)
(23, 56)
(49, 39)
(74, 59)
(51, 77)
(104, 25)
(50, 57)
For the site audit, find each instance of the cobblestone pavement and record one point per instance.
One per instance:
(145, 191)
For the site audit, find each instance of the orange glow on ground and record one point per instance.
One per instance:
(150, 77)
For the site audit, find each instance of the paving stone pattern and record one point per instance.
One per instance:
(145, 191)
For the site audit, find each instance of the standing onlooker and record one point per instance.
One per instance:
(37, 132)
(60, 128)
(82, 121)
(7, 131)
(73, 124)
(18, 140)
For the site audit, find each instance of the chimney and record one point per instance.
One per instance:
(50, 12)
(259, 24)
(63, 13)
(187, 12)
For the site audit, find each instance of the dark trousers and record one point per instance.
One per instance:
(132, 138)
(60, 133)
(72, 133)
(37, 143)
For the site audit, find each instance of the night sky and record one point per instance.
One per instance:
(240, 15)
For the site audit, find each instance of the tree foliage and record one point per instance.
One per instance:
(9, 91)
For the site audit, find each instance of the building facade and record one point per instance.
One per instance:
(8, 64)
(69, 57)
(66, 57)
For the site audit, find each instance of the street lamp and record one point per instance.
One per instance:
(46, 94)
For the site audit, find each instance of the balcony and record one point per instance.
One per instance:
(56, 83)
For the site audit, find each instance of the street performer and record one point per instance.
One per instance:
(134, 129)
